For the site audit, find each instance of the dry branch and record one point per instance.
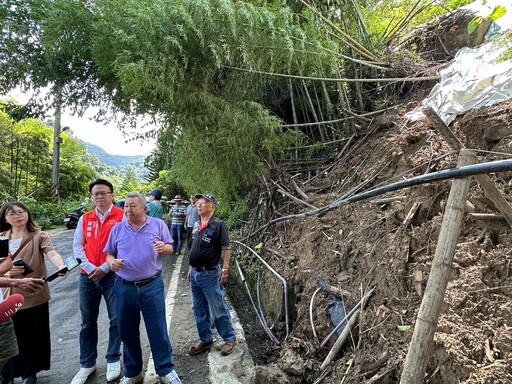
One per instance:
(341, 340)
(297, 200)
(487, 216)
(484, 180)
(411, 213)
(299, 191)
(339, 80)
(332, 289)
(388, 200)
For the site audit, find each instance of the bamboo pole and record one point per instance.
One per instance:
(341, 339)
(339, 80)
(294, 113)
(485, 181)
(432, 303)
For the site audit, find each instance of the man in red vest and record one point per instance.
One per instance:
(96, 281)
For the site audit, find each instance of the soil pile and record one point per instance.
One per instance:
(389, 243)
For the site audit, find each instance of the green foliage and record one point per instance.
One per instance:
(131, 183)
(26, 158)
(166, 184)
(498, 12)
(236, 215)
(501, 41)
(384, 18)
(177, 60)
(221, 144)
(47, 215)
(51, 215)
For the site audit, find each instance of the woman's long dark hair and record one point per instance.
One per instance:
(9, 207)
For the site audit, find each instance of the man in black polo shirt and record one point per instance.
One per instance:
(210, 241)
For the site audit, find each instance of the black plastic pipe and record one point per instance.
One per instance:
(453, 173)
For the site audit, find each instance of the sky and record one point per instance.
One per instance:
(108, 137)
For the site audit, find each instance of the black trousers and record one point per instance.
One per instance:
(189, 237)
(32, 328)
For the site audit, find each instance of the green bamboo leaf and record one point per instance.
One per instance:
(473, 24)
(498, 12)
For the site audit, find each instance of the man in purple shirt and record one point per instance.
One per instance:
(135, 248)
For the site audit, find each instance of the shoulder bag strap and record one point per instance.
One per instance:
(22, 245)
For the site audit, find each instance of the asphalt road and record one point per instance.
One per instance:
(65, 325)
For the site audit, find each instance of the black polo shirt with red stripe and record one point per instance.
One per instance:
(208, 242)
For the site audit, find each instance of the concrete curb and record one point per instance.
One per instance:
(236, 368)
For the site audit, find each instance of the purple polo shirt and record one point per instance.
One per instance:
(135, 246)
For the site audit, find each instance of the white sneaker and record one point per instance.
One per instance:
(82, 375)
(171, 378)
(113, 370)
(133, 380)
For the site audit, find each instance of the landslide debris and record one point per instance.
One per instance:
(387, 243)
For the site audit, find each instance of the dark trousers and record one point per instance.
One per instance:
(32, 328)
(189, 237)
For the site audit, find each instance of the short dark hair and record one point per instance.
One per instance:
(101, 182)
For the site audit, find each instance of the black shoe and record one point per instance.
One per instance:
(30, 380)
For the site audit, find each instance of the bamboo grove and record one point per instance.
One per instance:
(236, 88)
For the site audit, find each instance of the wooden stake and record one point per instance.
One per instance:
(485, 181)
(432, 303)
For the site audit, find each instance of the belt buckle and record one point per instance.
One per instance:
(140, 283)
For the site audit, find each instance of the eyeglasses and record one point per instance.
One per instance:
(15, 213)
(100, 194)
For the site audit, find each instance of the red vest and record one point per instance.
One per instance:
(96, 234)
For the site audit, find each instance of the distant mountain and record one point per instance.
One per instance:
(116, 161)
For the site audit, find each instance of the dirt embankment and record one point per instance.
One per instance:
(389, 243)
(372, 244)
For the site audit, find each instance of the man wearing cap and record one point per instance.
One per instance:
(177, 213)
(210, 241)
(155, 207)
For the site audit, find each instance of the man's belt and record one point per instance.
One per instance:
(140, 283)
(209, 268)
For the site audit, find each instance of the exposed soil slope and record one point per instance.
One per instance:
(389, 244)
(367, 244)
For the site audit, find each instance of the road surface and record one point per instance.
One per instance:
(65, 328)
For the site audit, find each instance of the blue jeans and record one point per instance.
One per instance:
(150, 300)
(208, 297)
(90, 293)
(177, 236)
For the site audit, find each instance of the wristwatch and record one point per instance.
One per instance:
(224, 270)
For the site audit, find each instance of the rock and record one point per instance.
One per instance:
(496, 132)
(292, 363)
(271, 374)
